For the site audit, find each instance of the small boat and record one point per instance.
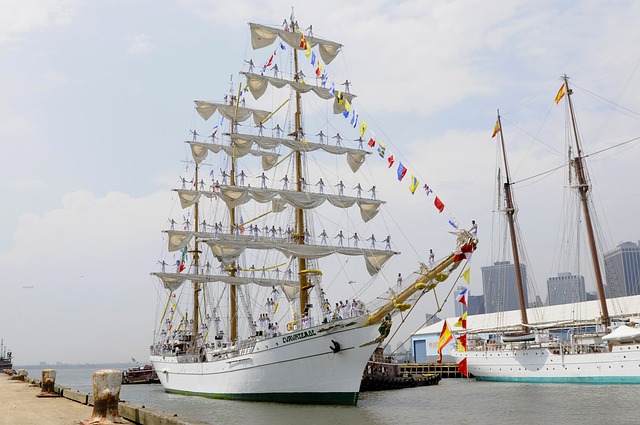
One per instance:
(5, 357)
(518, 337)
(140, 375)
(383, 373)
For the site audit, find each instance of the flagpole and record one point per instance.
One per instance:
(511, 211)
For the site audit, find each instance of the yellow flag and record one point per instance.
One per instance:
(466, 276)
(561, 93)
(347, 105)
(363, 128)
(414, 184)
(461, 347)
(496, 129)
(462, 321)
(462, 343)
(445, 337)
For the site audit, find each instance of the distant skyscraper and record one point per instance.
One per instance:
(566, 289)
(499, 287)
(622, 270)
(475, 305)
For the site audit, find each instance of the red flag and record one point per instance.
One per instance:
(462, 343)
(462, 297)
(439, 205)
(371, 143)
(464, 253)
(462, 323)
(182, 260)
(390, 159)
(268, 64)
(462, 367)
(467, 248)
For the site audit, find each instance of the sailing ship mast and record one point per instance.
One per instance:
(583, 190)
(511, 212)
(196, 284)
(300, 228)
(233, 290)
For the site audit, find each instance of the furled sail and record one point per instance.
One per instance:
(189, 197)
(263, 36)
(234, 196)
(230, 112)
(258, 85)
(199, 152)
(229, 248)
(355, 157)
(178, 239)
(173, 281)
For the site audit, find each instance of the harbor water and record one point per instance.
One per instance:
(453, 401)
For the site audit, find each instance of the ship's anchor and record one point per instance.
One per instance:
(335, 347)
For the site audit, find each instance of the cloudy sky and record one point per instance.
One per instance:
(97, 100)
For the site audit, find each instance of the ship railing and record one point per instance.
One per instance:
(326, 318)
(246, 346)
(188, 358)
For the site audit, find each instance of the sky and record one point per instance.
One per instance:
(97, 101)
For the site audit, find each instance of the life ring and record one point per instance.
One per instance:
(402, 307)
(311, 272)
(441, 277)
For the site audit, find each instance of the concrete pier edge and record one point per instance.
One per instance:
(131, 412)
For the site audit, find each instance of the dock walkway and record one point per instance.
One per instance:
(19, 405)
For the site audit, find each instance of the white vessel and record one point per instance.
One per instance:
(241, 245)
(600, 349)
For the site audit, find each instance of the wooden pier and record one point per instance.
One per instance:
(446, 370)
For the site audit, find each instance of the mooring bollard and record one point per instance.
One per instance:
(48, 383)
(22, 374)
(106, 394)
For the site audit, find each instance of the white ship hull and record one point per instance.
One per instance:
(548, 365)
(299, 367)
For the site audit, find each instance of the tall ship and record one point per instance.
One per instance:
(244, 314)
(600, 349)
(6, 357)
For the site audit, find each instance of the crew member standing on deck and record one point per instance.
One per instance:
(474, 229)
